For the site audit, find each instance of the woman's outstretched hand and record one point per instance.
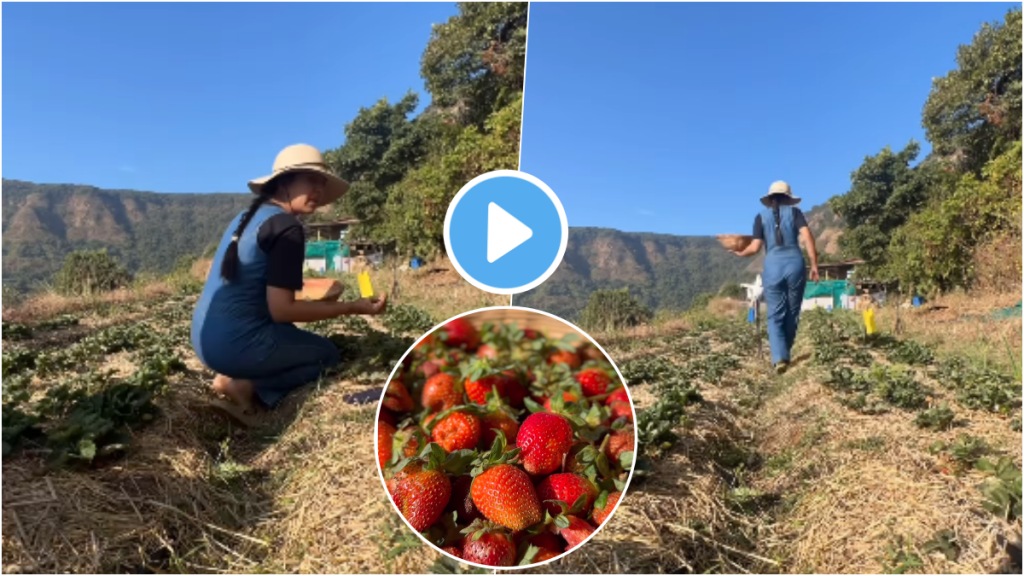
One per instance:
(371, 306)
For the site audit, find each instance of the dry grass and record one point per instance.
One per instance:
(49, 303)
(299, 493)
(302, 494)
(963, 324)
(863, 487)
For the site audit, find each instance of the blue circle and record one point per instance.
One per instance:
(525, 263)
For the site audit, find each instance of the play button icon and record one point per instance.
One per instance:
(505, 232)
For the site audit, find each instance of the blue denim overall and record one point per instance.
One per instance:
(784, 279)
(234, 334)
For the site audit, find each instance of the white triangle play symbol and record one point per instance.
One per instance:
(504, 232)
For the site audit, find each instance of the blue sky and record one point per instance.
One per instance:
(195, 97)
(675, 118)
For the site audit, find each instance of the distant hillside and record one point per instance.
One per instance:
(662, 270)
(144, 230)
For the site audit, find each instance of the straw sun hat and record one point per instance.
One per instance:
(783, 191)
(303, 158)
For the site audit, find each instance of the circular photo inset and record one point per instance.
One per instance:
(505, 437)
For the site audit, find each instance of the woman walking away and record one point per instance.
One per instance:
(242, 327)
(778, 228)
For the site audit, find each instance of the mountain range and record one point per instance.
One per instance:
(150, 232)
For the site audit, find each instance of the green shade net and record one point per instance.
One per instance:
(327, 250)
(829, 288)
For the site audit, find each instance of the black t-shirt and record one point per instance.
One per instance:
(283, 240)
(798, 220)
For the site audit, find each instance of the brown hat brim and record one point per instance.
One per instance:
(784, 199)
(335, 189)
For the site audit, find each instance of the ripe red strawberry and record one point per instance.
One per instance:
(621, 410)
(462, 334)
(565, 357)
(397, 397)
(477, 390)
(498, 421)
(491, 549)
(578, 531)
(385, 439)
(458, 431)
(421, 494)
(544, 440)
(530, 334)
(619, 395)
(619, 442)
(601, 514)
(544, 554)
(567, 488)
(388, 416)
(593, 381)
(453, 550)
(505, 495)
(461, 502)
(441, 392)
(546, 540)
(486, 351)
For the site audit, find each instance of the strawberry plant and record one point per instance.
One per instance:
(1002, 490)
(406, 319)
(979, 388)
(936, 418)
(16, 331)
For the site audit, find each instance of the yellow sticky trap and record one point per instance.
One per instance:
(365, 288)
(869, 321)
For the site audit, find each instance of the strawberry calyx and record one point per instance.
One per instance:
(481, 526)
(498, 454)
(434, 457)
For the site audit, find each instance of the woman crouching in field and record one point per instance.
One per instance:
(242, 327)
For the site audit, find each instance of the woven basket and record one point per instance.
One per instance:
(542, 323)
(735, 241)
(323, 289)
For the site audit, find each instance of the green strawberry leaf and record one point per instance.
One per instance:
(457, 462)
(602, 500)
(562, 522)
(620, 485)
(532, 405)
(626, 460)
(529, 555)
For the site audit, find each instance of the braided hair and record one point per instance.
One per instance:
(229, 266)
(779, 240)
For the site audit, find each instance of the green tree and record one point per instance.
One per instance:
(885, 190)
(936, 249)
(973, 114)
(87, 272)
(474, 63)
(613, 309)
(417, 205)
(382, 143)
